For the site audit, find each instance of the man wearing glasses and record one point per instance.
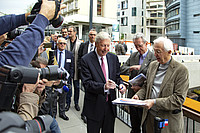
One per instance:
(165, 89)
(137, 63)
(65, 59)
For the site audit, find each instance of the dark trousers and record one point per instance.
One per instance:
(76, 91)
(106, 124)
(61, 104)
(136, 117)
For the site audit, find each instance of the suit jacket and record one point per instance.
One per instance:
(173, 91)
(83, 49)
(134, 60)
(75, 53)
(69, 64)
(93, 82)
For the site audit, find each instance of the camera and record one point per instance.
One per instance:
(12, 122)
(36, 9)
(14, 33)
(11, 76)
(21, 74)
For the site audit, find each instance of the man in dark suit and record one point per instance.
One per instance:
(65, 59)
(137, 63)
(85, 48)
(100, 72)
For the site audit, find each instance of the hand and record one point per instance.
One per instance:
(3, 38)
(134, 67)
(41, 49)
(135, 88)
(122, 88)
(48, 9)
(41, 86)
(53, 82)
(136, 97)
(110, 85)
(31, 87)
(149, 103)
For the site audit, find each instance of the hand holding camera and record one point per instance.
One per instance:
(50, 9)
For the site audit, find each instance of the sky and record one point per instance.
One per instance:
(15, 6)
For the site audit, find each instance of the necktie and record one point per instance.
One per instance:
(91, 47)
(59, 64)
(103, 67)
(104, 73)
(141, 60)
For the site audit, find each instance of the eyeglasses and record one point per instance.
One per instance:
(92, 34)
(62, 43)
(157, 51)
(70, 31)
(64, 32)
(139, 45)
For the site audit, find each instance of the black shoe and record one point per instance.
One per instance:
(83, 117)
(67, 108)
(64, 117)
(77, 107)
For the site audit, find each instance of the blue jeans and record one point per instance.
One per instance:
(54, 127)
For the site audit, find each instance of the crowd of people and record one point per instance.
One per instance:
(164, 90)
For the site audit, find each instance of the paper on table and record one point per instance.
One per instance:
(128, 101)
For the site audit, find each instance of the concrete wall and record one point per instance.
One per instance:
(190, 61)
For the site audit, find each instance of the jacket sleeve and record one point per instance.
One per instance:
(10, 22)
(28, 105)
(23, 48)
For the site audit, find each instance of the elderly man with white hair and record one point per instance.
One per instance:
(165, 89)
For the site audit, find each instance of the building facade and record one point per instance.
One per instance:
(154, 19)
(182, 23)
(78, 11)
(146, 16)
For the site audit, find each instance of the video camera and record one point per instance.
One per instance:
(11, 122)
(10, 76)
(36, 9)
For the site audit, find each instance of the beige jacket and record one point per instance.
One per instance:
(172, 94)
(75, 52)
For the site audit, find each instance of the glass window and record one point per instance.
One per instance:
(99, 7)
(133, 29)
(134, 11)
(124, 21)
(124, 4)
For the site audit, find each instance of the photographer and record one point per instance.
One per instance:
(24, 47)
(35, 97)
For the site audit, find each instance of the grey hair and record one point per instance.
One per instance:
(42, 60)
(139, 35)
(92, 30)
(167, 43)
(102, 36)
(60, 39)
(74, 28)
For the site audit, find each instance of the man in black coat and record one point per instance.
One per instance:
(100, 72)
